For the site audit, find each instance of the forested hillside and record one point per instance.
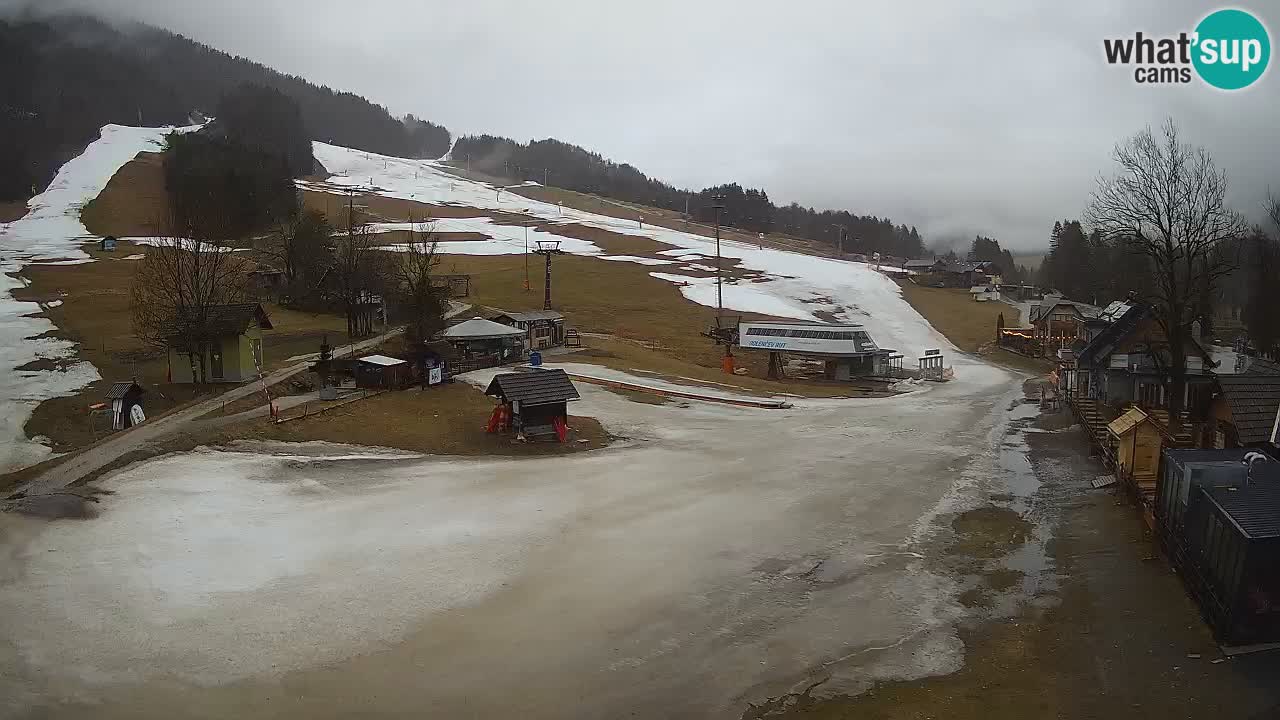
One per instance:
(65, 77)
(569, 166)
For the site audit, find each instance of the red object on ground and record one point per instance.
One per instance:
(562, 428)
(727, 364)
(499, 420)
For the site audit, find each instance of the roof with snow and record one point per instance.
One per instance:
(1102, 343)
(480, 329)
(981, 266)
(382, 360)
(830, 339)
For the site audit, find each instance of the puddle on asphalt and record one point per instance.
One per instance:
(1003, 546)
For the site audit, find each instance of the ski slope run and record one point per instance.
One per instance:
(795, 285)
(51, 233)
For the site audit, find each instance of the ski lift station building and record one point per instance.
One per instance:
(847, 348)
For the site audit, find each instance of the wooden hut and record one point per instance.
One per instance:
(1137, 441)
(381, 372)
(126, 404)
(533, 404)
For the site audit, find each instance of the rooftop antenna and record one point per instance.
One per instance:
(548, 248)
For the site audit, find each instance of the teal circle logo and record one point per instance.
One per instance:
(1232, 49)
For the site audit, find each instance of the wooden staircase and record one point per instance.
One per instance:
(1094, 419)
(1183, 438)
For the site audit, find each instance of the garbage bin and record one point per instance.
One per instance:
(535, 358)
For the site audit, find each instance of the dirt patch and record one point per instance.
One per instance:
(47, 365)
(643, 398)
(1002, 579)
(134, 201)
(611, 242)
(78, 503)
(975, 598)
(10, 211)
(396, 237)
(332, 201)
(989, 532)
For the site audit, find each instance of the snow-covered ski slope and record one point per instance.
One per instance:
(795, 286)
(50, 233)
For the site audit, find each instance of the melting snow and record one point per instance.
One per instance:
(637, 259)
(857, 292)
(51, 233)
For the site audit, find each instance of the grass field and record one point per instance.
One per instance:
(969, 325)
(448, 419)
(95, 314)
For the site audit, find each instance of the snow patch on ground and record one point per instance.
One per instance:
(744, 297)
(51, 233)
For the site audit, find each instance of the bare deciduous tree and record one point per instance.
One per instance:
(301, 248)
(358, 274)
(424, 301)
(1168, 201)
(177, 285)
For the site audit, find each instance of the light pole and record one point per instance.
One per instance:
(526, 250)
(840, 238)
(718, 205)
(723, 336)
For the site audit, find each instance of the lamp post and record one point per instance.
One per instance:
(526, 250)
(840, 238)
(718, 205)
(725, 337)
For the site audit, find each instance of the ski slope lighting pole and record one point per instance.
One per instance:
(526, 251)
(718, 206)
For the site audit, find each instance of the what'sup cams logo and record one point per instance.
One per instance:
(1228, 50)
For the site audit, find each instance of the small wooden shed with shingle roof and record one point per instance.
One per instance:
(124, 397)
(536, 402)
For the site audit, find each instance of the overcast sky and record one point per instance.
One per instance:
(960, 120)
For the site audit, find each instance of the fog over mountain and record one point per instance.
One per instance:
(954, 119)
